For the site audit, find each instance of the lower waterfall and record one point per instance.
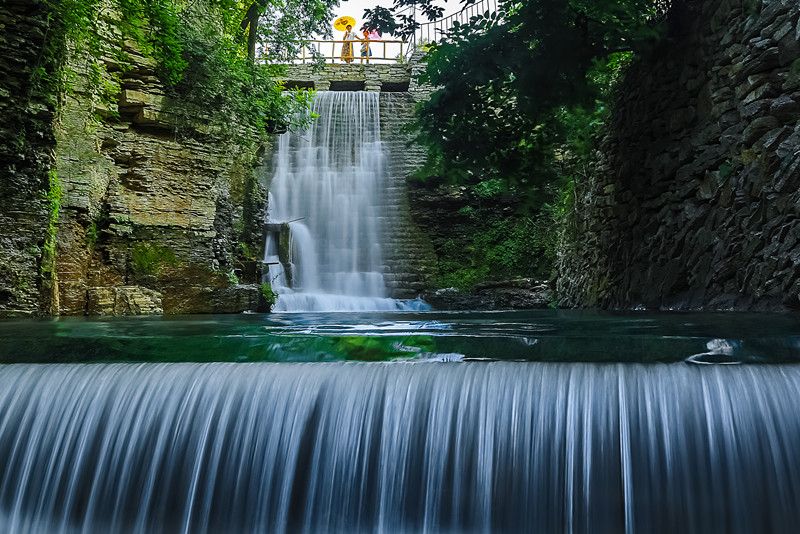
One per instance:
(398, 448)
(328, 190)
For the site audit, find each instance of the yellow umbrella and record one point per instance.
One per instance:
(342, 23)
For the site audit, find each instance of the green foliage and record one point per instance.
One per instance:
(232, 279)
(148, 259)
(500, 248)
(69, 21)
(200, 56)
(21, 283)
(286, 25)
(52, 200)
(268, 294)
(516, 83)
(92, 235)
(220, 81)
(214, 76)
(246, 251)
(488, 189)
(156, 26)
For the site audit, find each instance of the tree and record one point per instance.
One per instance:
(289, 22)
(250, 24)
(506, 80)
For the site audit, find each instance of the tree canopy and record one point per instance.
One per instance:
(288, 23)
(511, 84)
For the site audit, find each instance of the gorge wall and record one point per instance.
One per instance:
(104, 209)
(695, 201)
(27, 145)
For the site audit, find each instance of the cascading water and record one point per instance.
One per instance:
(328, 185)
(392, 448)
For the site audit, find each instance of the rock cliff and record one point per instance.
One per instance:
(27, 144)
(147, 220)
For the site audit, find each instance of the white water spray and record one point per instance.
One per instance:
(329, 182)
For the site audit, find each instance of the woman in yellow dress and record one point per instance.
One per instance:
(347, 46)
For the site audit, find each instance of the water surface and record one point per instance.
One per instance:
(541, 335)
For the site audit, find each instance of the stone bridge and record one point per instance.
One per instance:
(382, 77)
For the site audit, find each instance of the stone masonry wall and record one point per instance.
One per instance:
(695, 202)
(352, 77)
(408, 252)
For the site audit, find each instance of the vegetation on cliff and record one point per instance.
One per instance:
(201, 50)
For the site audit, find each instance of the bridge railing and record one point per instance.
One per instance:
(429, 32)
(383, 50)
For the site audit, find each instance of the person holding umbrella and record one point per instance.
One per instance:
(346, 24)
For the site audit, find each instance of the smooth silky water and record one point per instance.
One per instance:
(504, 422)
(329, 182)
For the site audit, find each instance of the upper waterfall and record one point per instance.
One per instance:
(329, 185)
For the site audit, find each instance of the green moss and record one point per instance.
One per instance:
(725, 170)
(21, 283)
(148, 259)
(246, 251)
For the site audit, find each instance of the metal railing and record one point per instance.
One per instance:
(429, 32)
(382, 50)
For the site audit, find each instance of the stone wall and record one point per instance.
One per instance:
(149, 220)
(695, 200)
(408, 251)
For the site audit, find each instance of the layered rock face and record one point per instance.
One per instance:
(695, 200)
(149, 220)
(26, 156)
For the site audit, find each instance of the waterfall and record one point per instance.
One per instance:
(328, 185)
(398, 448)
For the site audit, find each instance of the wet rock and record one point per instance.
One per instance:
(520, 294)
(123, 300)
